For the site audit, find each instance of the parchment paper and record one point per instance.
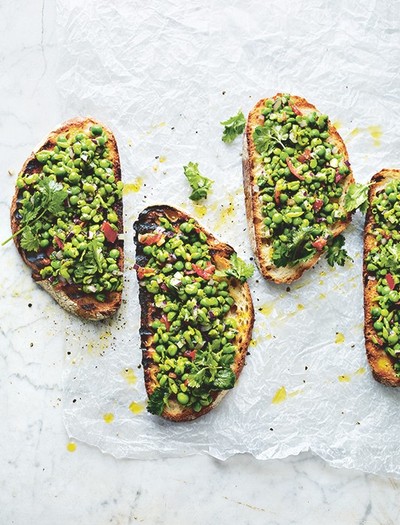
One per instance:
(162, 75)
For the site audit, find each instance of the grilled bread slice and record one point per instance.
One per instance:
(172, 361)
(72, 233)
(295, 162)
(381, 268)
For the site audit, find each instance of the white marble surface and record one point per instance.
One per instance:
(41, 481)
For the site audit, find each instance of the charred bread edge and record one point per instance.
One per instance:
(253, 210)
(380, 362)
(176, 412)
(84, 305)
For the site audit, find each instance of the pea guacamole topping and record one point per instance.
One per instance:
(301, 183)
(66, 213)
(383, 263)
(193, 332)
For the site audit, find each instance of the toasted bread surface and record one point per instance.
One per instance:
(242, 310)
(68, 295)
(253, 168)
(380, 362)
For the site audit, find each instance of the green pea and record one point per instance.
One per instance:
(182, 398)
(375, 312)
(172, 350)
(96, 130)
(393, 339)
(277, 218)
(114, 253)
(393, 296)
(112, 216)
(44, 243)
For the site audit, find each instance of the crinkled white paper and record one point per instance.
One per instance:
(163, 74)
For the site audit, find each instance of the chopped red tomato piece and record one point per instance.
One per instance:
(190, 354)
(143, 272)
(151, 238)
(293, 170)
(306, 155)
(164, 320)
(318, 203)
(319, 244)
(390, 281)
(59, 242)
(207, 273)
(296, 110)
(109, 232)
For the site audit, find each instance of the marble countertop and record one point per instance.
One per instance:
(44, 478)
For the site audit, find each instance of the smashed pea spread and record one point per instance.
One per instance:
(383, 263)
(66, 213)
(300, 184)
(194, 331)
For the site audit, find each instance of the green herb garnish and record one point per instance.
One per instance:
(233, 127)
(199, 184)
(336, 253)
(156, 402)
(357, 197)
(239, 269)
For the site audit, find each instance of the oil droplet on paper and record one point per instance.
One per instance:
(376, 134)
(279, 396)
(71, 446)
(339, 338)
(337, 124)
(266, 309)
(108, 418)
(355, 132)
(200, 210)
(360, 371)
(344, 378)
(226, 213)
(129, 376)
(300, 307)
(133, 187)
(136, 408)
(162, 158)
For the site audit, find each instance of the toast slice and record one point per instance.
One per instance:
(381, 273)
(267, 190)
(78, 244)
(196, 321)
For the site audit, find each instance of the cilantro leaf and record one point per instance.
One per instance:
(199, 184)
(357, 197)
(336, 253)
(239, 269)
(29, 240)
(296, 250)
(233, 127)
(196, 379)
(266, 139)
(225, 379)
(157, 401)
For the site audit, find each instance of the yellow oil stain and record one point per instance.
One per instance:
(322, 296)
(71, 446)
(129, 375)
(376, 134)
(295, 392)
(130, 143)
(253, 342)
(339, 338)
(155, 168)
(321, 282)
(136, 408)
(200, 210)
(153, 127)
(346, 378)
(266, 309)
(108, 418)
(226, 213)
(96, 347)
(322, 273)
(337, 124)
(279, 396)
(162, 158)
(133, 187)
(300, 307)
(268, 336)
(354, 132)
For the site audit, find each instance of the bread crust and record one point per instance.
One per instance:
(69, 296)
(262, 245)
(242, 310)
(380, 362)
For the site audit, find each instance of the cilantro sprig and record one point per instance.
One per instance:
(48, 197)
(199, 184)
(239, 269)
(336, 253)
(233, 127)
(357, 197)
